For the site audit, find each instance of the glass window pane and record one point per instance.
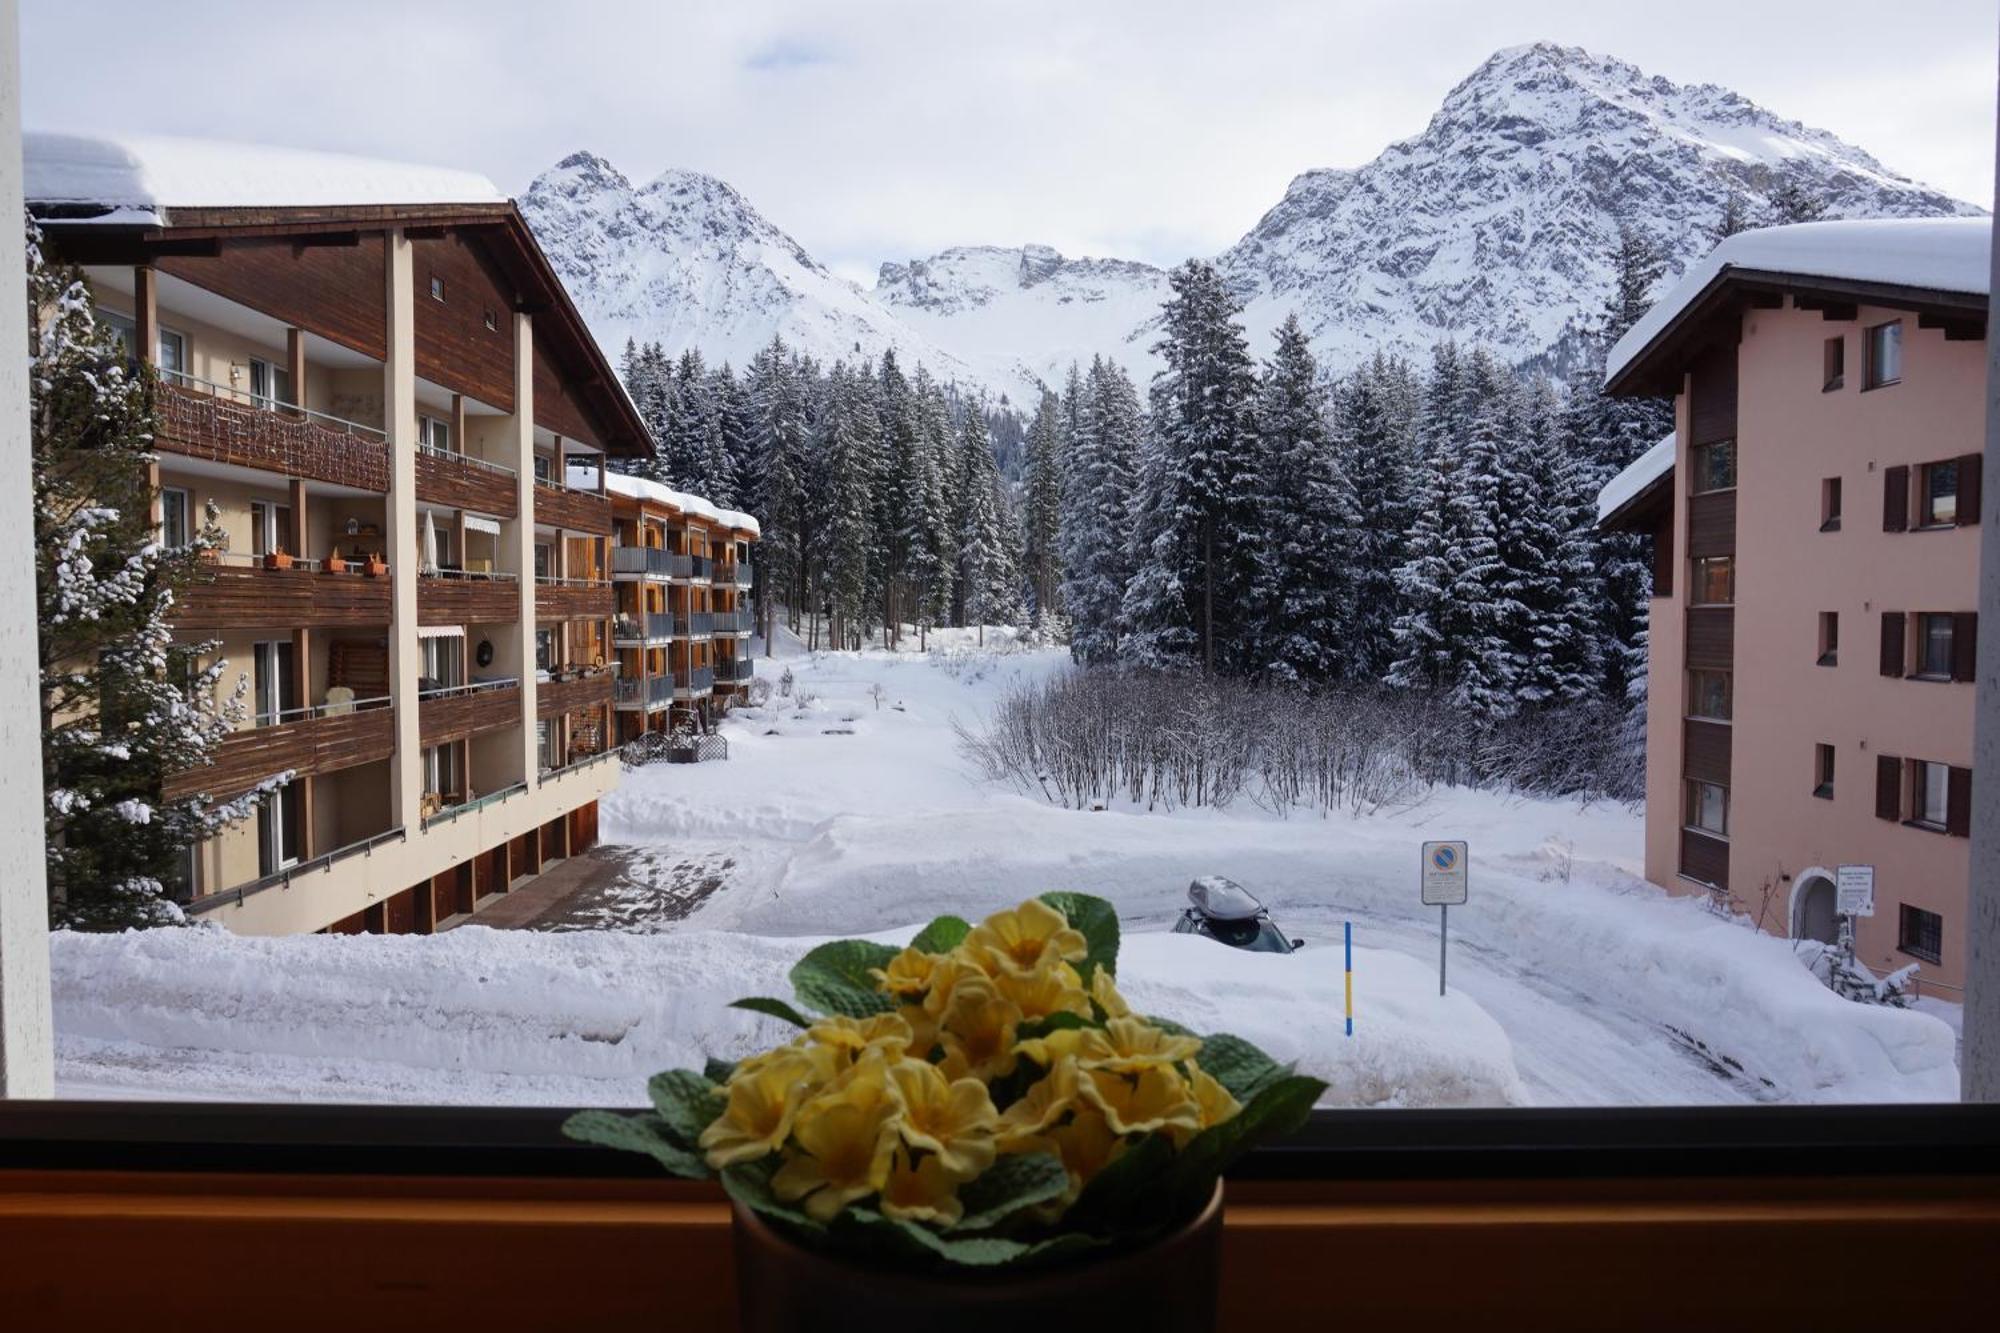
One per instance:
(1941, 493)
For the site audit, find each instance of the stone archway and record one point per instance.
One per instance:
(1814, 903)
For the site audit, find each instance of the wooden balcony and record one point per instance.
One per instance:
(253, 597)
(203, 421)
(465, 600)
(574, 600)
(578, 511)
(460, 482)
(568, 696)
(311, 745)
(467, 712)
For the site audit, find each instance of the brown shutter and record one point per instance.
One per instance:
(1968, 490)
(1958, 803)
(1888, 787)
(1895, 499)
(1892, 643)
(1964, 645)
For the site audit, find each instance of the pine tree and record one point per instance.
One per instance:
(1376, 443)
(1735, 214)
(1305, 604)
(123, 706)
(1098, 506)
(1042, 514)
(1793, 201)
(987, 571)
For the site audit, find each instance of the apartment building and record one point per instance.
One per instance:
(1816, 526)
(373, 381)
(681, 567)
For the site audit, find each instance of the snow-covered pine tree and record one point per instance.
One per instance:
(1486, 620)
(1795, 201)
(1042, 515)
(1546, 519)
(933, 537)
(781, 440)
(1375, 440)
(1305, 602)
(1097, 510)
(123, 706)
(1186, 604)
(987, 573)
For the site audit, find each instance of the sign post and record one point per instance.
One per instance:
(1349, 932)
(1854, 895)
(1443, 884)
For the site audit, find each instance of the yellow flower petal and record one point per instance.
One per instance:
(908, 973)
(1135, 1044)
(1040, 1107)
(761, 1107)
(1153, 1098)
(978, 1032)
(846, 1136)
(1020, 938)
(852, 1036)
(952, 1120)
(926, 1192)
(1053, 987)
(1105, 991)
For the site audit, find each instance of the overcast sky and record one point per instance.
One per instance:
(880, 131)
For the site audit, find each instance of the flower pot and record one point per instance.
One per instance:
(1166, 1287)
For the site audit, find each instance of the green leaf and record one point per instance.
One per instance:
(1237, 1065)
(1098, 920)
(1171, 1028)
(834, 978)
(749, 1183)
(718, 1071)
(688, 1103)
(1129, 1195)
(644, 1132)
(1055, 1022)
(1279, 1109)
(942, 935)
(865, 1228)
(1012, 1183)
(764, 1004)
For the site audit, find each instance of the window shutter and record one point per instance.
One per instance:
(1968, 490)
(1888, 787)
(1964, 645)
(1892, 643)
(1895, 499)
(1958, 803)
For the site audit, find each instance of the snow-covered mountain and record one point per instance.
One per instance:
(1495, 225)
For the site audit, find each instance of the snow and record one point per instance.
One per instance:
(1572, 981)
(1933, 254)
(138, 175)
(1642, 472)
(621, 483)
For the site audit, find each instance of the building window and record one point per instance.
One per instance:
(441, 771)
(1829, 505)
(437, 288)
(176, 517)
(270, 384)
(1715, 580)
(274, 686)
(1715, 467)
(270, 528)
(545, 560)
(1709, 696)
(1937, 494)
(545, 649)
(543, 467)
(1934, 646)
(1708, 808)
(1823, 772)
(1930, 794)
(545, 745)
(1829, 638)
(434, 435)
(278, 829)
(1833, 365)
(1885, 354)
(1920, 934)
(444, 663)
(173, 355)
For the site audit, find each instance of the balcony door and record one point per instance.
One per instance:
(276, 689)
(270, 528)
(271, 384)
(279, 829)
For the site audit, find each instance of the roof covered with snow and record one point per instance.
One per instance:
(1926, 254)
(138, 176)
(1645, 470)
(638, 488)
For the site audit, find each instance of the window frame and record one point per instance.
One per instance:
(168, 497)
(1872, 377)
(1833, 364)
(1691, 812)
(1694, 710)
(1905, 944)
(1916, 783)
(1921, 641)
(1829, 639)
(1829, 504)
(1826, 761)
(1699, 467)
(1697, 589)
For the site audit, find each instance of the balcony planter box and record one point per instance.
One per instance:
(1166, 1287)
(277, 560)
(376, 566)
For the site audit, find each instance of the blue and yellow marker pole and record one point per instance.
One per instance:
(1349, 930)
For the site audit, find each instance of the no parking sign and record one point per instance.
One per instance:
(1443, 884)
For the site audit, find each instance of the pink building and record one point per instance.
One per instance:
(1815, 517)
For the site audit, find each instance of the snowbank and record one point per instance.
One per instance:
(620, 483)
(1938, 254)
(504, 1017)
(1643, 471)
(138, 174)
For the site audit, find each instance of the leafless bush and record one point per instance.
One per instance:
(1091, 737)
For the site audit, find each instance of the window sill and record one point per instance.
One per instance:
(1831, 525)
(1926, 826)
(1885, 384)
(1827, 660)
(1706, 833)
(1824, 793)
(1935, 960)
(1934, 527)
(1930, 678)
(1715, 721)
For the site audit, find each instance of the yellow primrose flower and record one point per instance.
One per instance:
(844, 1140)
(908, 973)
(1064, 1044)
(1131, 1044)
(1105, 991)
(953, 1120)
(923, 1029)
(946, 973)
(852, 1036)
(978, 1036)
(923, 1193)
(762, 1105)
(1041, 1106)
(1217, 1103)
(1154, 1098)
(1022, 937)
(1086, 1144)
(1053, 988)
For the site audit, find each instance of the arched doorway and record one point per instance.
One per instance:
(1813, 904)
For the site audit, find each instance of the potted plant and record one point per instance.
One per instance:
(977, 1127)
(277, 560)
(335, 564)
(376, 565)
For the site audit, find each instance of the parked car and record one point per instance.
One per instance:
(1224, 910)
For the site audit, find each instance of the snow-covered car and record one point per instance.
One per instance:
(1224, 910)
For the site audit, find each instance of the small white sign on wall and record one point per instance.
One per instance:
(1854, 890)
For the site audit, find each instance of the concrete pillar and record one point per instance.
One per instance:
(146, 314)
(399, 418)
(524, 533)
(27, 1064)
(1979, 1070)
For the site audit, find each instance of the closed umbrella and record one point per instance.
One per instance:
(430, 561)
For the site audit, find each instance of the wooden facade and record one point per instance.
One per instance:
(463, 483)
(252, 597)
(332, 287)
(453, 717)
(204, 425)
(575, 601)
(464, 319)
(579, 511)
(568, 696)
(306, 747)
(467, 601)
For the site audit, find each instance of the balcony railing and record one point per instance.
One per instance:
(567, 507)
(700, 568)
(244, 592)
(464, 481)
(694, 680)
(648, 562)
(208, 902)
(700, 624)
(323, 738)
(734, 671)
(652, 692)
(732, 622)
(653, 627)
(451, 812)
(202, 419)
(573, 599)
(739, 574)
(451, 712)
(587, 689)
(468, 597)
